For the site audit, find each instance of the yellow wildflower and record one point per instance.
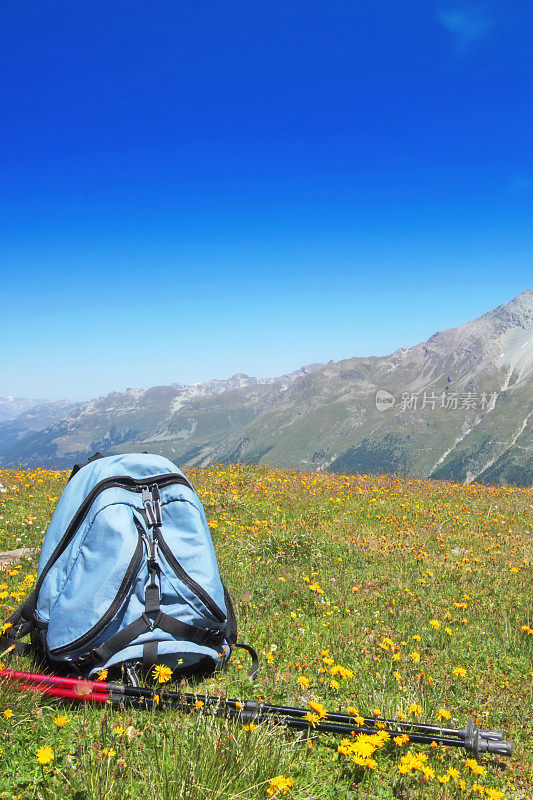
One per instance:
(318, 708)
(279, 785)
(60, 720)
(400, 740)
(161, 673)
(472, 764)
(8, 713)
(45, 755)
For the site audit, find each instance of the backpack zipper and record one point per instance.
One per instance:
(185, 578)
(120, 596)
(154, 520)
(120, 482)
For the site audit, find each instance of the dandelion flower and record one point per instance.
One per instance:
(279, 785)
(318, 708)
(8, 713)
(161, 673)
(45, 755)
(443, 714)
(400, 740)
(303, 681)
(415, 656)
(249, 727)
(60, 720)
(472, 764)
(363, 747)
(459, 671)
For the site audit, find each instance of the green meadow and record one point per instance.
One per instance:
(408, 599)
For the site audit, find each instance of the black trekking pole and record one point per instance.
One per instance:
(470, 738)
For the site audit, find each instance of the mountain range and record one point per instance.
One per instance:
(457, 407)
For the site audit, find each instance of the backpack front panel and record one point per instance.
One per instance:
(87, 580)
(136, 465)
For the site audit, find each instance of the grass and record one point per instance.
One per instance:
(407, 596)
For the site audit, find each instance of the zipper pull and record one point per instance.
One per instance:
(156, 501)
(151, 550)
(152, 506)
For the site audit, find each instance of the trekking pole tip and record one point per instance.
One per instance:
(496, 735)
(478, 743)
(500, 748)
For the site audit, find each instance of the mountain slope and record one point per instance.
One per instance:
(458, 406)
(137, 419)
(331, 420)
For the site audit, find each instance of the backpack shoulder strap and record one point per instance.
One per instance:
(254, 669)
(232, 619)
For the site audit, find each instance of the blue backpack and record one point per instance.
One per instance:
(128, 576)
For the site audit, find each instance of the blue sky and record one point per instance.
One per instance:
(191, 189)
